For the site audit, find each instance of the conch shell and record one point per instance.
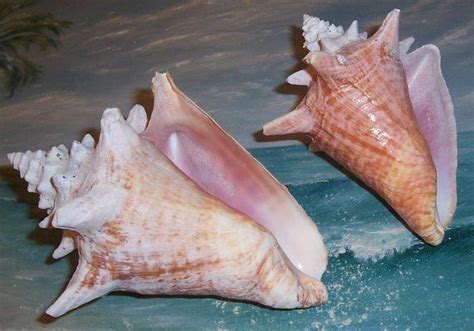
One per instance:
(179, 208)
(383, 114)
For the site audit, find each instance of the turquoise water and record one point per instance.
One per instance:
(379, 276)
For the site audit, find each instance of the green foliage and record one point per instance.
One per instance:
(19, 32)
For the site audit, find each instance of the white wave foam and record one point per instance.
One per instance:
(370, 245)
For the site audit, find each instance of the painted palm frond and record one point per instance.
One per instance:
(19, 32)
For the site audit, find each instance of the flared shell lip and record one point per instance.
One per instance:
(165, 81)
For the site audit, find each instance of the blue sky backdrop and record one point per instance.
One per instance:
(231, 57)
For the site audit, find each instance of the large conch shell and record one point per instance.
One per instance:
(143, 225)
(383, 114)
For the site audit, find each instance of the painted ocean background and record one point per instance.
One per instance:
(380, 276)
(232, 58)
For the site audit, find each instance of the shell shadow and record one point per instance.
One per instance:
(372, 29)
(194, 297)
(296, 40)
(50, 236)
(46, 319)
(18, 186)
(145, 98)
(40, 236)
(93, 131)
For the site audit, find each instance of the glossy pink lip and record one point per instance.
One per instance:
(196, 144)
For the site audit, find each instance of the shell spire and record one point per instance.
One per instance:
(50, 174)
(365, 111)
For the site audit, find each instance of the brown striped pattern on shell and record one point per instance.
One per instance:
(365, 121)
(358, 111)
(143, 226)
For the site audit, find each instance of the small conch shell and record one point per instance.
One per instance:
(141, 224)
(383, 114)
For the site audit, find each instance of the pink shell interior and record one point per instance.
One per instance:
(196, 144)
(435, 116)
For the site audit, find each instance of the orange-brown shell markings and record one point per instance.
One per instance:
(368, 125)
(376, 146)
(181, 262)
(361, 115)
(164, 235)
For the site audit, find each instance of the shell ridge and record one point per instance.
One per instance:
(80, 289)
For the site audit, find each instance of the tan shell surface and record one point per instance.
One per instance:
(145, 227)
(358, 111)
